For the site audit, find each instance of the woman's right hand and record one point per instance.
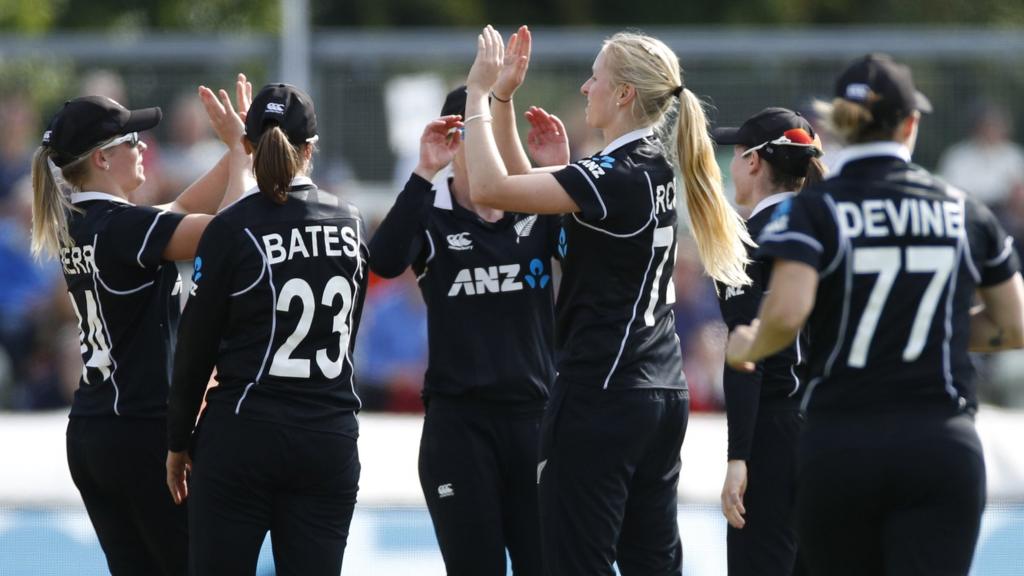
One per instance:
(179, 466)
(513, 68)
(490, 57)
(438, 145)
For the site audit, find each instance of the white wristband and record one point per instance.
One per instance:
(480, 117)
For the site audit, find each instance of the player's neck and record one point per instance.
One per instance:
(459, 187)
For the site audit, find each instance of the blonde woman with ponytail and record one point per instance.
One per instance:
(280, 280)
(610, 439)
(117, 260)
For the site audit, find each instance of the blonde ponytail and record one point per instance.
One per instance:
(719, 230)
(50, 206)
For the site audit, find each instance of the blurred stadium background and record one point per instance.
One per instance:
(378, 70)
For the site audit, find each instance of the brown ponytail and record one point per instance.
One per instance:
(50, 204)
(719, 230)
(854, 123)
(276, 161)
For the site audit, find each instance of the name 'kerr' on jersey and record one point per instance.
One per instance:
(124, 295)
(899, 255)
(280, 287)
(615, 325)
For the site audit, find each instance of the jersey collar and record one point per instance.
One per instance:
(770, 201)
(627, 138)
(871, 150)
(79, 197)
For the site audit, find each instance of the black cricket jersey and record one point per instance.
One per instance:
(899, 255)
(777, 380)
(278, 293)
(125, 296)
(488, 291)
(615, 325)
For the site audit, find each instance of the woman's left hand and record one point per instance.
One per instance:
(515, 64)
(179, 466)
(737, 351)
(225, 121)
(490, 57)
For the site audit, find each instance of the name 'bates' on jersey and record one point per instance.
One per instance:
(615, 323)
(125, 297)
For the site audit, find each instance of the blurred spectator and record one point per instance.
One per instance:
(21, 135)
(192, 150)
(697, 320)
(987, 165)
(392, 346)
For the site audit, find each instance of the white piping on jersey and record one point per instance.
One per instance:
(351, 311)
(103, 318)
(792, 367)
(78, 197)
(263, 271)
(627, 138)
(430, 256)
(946, 368)
(807, 395)
(273, 321)
(604, 209)
(968, 256)
(640, 293)
(769, 201)
(798, 236)
(122, 292)
(871, 150)
(145, 240)
(612, 234)
(839, 237)
(1007, 250)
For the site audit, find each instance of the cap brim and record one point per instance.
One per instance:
(922, 103)
(726, 136)
(142, 119)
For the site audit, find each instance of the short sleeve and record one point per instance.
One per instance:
(608, 193)
(137, 235)
(799, 230)
(991, 247)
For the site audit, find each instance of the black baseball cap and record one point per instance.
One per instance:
(455, 102)
(88, 121)
(282, 105)
(768, 128)
(890, 81)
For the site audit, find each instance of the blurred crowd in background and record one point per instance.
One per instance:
(39, 342)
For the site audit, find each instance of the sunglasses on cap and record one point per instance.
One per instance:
(131, 138)
(796, 137)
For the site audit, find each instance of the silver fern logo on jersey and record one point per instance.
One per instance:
(460, 241)
(524, 227)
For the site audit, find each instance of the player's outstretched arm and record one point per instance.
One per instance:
(998, 323)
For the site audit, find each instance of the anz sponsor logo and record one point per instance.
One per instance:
(275, 108)
(598, 165)
(499, 279)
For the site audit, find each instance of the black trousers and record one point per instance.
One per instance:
(767, 544)
(894, 494)
(118, 465)
(478, 471)
(249, 477)
(608, 477)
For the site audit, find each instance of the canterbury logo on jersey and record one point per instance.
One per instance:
(524, 227)
(275, 108)
(498, 279)
(460, 241)
(598, 165)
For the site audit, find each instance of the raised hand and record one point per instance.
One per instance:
(514, 65)
(547, 141)
(438, 145)
(225, 121)
(243, 95)
(490, 55)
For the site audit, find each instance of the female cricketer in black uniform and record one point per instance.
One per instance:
(611, 436)
(118, 263)
(490, 310)
(886, 262)
(775, 154)
(279, 283)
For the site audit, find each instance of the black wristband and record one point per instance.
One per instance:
(493, 95)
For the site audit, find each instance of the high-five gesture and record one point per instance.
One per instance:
(547, 141)
(243, 95)
(438, 145)
(225, 121)
(490, 57)
(516, 61)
